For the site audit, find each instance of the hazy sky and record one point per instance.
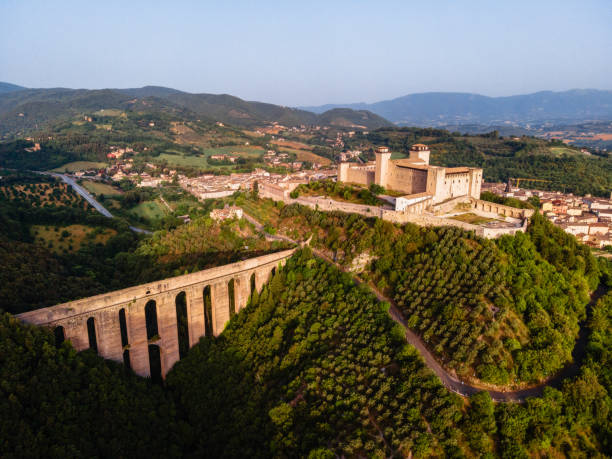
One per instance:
(309, 52)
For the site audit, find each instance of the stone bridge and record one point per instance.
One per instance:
(146, 325)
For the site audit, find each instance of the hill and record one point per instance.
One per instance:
(313, 367)
(441, 108)
(30, 109)
(9, 87)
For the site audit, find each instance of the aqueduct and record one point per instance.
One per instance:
(146, 326)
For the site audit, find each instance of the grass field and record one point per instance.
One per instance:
(79, 166)
(472, 218)
(563, 151)
(109, 112)
(99, 188)
(151, 210)
(246, 151)
(54, 238)
(398, 155)
(305, 155)
(184, 161)
(178, 159)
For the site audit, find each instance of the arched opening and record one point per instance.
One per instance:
(123, 328)
(232, 298)
(252, 282)
(151, 319)
(126, 359)
(208, 324)
(59, 334)
(91, 333)
(273, 272)
(182, 324)
(155, 362)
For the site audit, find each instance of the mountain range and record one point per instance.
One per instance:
(444, 108)
(23, 109)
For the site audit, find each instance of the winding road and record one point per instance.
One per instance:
(451, 382)
(90, 199)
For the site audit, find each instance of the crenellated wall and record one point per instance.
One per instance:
(105, 310)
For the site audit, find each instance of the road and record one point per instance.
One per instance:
(90, 199)
(84, 193)
(451, 382)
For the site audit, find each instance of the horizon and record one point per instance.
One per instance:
(320, 105)
(309, 55)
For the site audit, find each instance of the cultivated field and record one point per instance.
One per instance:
(201, 161)
(151, 210)
(61, 239)
(80, 166)
(99, 188)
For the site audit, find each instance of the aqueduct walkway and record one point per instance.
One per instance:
(130, 325)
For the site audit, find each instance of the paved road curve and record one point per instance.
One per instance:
(90, 199)
(461, 388)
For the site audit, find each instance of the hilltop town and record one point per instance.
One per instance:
(588, 218)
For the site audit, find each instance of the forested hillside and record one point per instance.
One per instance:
(25, 109)
(313, 367)
(504, 312)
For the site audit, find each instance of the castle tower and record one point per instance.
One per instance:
(343, 172)
(419, 153)
(383, 155)
(475, 182)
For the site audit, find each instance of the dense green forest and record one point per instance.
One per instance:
(55, 402)
(313, 367)
(501, 311)
(502, 158)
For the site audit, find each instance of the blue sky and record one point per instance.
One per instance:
(309, 52)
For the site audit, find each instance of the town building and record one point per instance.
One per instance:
(226, 213)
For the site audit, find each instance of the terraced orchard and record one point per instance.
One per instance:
(501, 316)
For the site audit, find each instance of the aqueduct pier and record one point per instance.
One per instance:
(144, 326)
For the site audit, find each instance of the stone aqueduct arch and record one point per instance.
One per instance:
(118, 323)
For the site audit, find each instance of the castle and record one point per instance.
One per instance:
(424, 185)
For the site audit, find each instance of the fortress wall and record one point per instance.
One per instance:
(493, 233)
(428, 220)
(269, 190)
(407, 180)
(360, 175)
(455, 185)
(412, 214)
(105, 309)
(450, 205)
(500, 209)
(330, 205)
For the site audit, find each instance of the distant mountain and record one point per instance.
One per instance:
(444, 108)
(26, 109)
(8, 87)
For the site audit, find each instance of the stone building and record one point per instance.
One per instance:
(423, 183)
